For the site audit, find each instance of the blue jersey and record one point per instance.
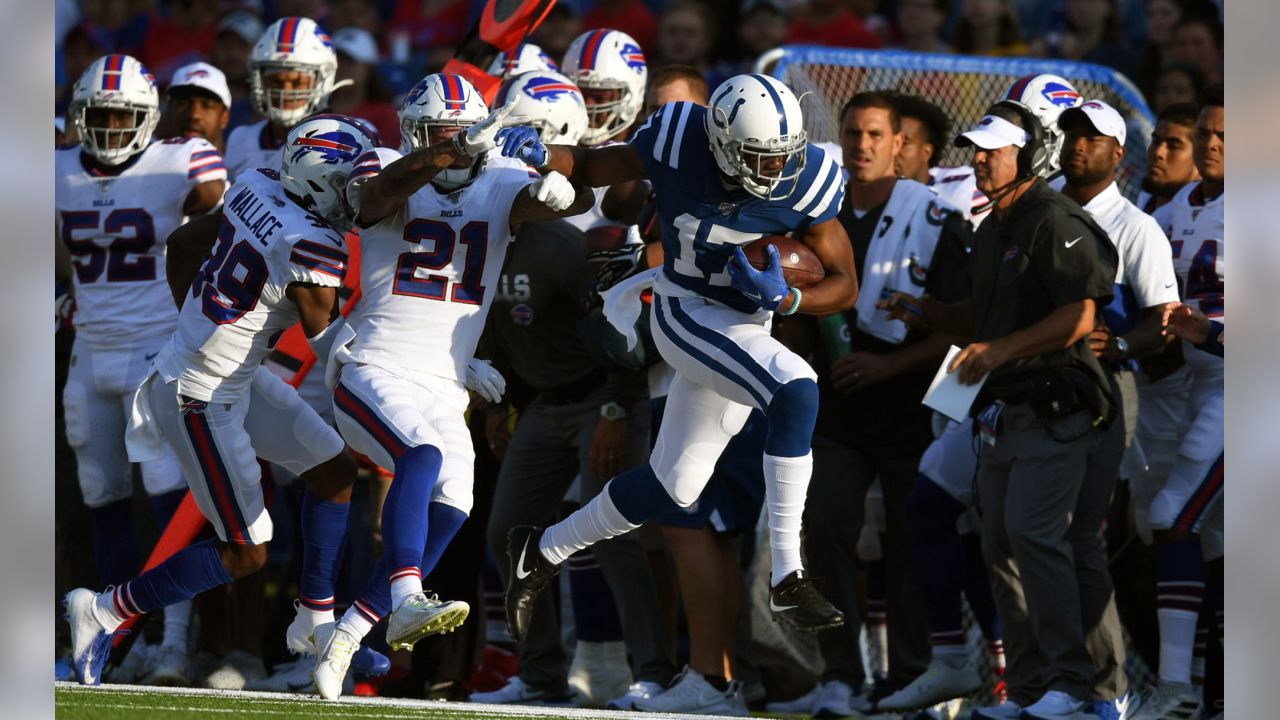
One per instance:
(702, 220)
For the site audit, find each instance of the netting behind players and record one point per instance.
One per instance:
(964, 86)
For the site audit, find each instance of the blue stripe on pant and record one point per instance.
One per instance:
(678, 326)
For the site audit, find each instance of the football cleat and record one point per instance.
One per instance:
(90, 640)
(530, 573)
(515, 692)
(370, 663)
(691, 693)
(168, 666)
(1170, 701)
(297, 638)
(1124, 708)
(421, 615)
(796, 602)
(289, 677)
(639, 690)
(941, 681)
(337, 646)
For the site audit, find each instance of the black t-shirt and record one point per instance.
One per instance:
(1047, 252)
(889, 413)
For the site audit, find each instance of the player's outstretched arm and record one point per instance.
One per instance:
(593, 167)
(187, 248)
(550, 197)
(385, 193)
(839, 289)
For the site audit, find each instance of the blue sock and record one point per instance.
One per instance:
(404, 514)
(939, 557)
(114, 548)
(595, 613)
(165, 505)
(639, 496)
(792, 413)
(443, 522)
(188, 573)
(324, 534)
(375, 600)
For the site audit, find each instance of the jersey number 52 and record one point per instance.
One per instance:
(442, 239)
(90, 258)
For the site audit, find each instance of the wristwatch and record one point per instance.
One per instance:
(1122, 346)
(613, 411)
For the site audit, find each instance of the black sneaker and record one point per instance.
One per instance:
(798, 603)
(530, 573)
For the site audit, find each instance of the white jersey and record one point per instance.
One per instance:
(115, 227)
(250, 147)
(429, 271)
(959, 187)
(237, 307)
(1195, 230)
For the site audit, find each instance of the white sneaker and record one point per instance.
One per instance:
(1007, 710)
(1170, 701)
(421, 615)
(297, 638)
(836, 700)
(802, 705)
(941, 681)
(599, 671)
(640, 690)
(90, 639)
(168, 666)
(336, 648)
(235, 670)
(1052, 705)
(691, 693)
(516, 692)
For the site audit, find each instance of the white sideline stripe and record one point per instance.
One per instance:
(312, 702)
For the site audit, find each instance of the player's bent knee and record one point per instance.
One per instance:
(792, 413)
(243, 560)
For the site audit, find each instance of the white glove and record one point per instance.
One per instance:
(482, 378)
(553, 190)
(482, 137)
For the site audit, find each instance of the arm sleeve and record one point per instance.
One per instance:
(653, 139)
(1074, 260)
(322, 261)
(1213, 344)
(1148, 264)
(819, 193)
(205, 163)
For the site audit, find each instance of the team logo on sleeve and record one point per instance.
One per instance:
(919, 273)
(549, 90)
(633, 57)
(936, 214)
(1060, 95)
(335, 147)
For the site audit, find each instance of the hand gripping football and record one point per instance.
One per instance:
(800, 266)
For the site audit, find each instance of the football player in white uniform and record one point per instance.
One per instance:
(291, 75)
(279, 257)
(117, 196)
(435, 226)
(1185, 513)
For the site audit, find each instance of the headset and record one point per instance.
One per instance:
(1033, 153)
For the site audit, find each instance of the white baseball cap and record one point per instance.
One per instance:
(204, 76)
(993, 133)
(357, 44)
(1104, 118)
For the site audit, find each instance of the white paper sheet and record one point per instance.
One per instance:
(947, 395)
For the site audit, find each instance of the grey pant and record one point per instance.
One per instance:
(551, 445)
(1043, 501)
(833, 518)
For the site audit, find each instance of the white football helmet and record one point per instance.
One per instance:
(754, 122)
(318, 158)
(292, 44)
(1046, 96)
(608, 60)
(115, 82)
(442, 99)
(526, 58)
(553, 104)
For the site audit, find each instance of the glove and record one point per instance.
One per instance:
(487, 382)
(553, 190)
(482, 137)
(767, 287)
(523, 143)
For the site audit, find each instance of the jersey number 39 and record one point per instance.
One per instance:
(466, 288)
(231, 280)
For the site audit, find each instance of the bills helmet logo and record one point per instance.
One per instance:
(415, 93)
(549, 90)
(1060, 95)
(632, 56)
(522, 315)
(335, 147)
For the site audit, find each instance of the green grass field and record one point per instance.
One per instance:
(129, 702)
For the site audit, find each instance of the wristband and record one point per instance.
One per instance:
(795, 305)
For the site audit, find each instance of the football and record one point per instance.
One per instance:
(800, 266)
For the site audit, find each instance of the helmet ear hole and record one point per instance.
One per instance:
(315, 185)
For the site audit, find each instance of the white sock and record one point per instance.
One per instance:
(107, 614)
(1177, 643)
(786, 482)
(177, 618)
(355, 623)
(878, 639)
(597, 520)
(405, 582)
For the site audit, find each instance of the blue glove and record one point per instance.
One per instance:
(767, 287)
(522, 142)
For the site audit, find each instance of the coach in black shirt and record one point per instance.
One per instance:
(1042, 270)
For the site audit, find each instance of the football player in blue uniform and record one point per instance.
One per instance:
(725, 175)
